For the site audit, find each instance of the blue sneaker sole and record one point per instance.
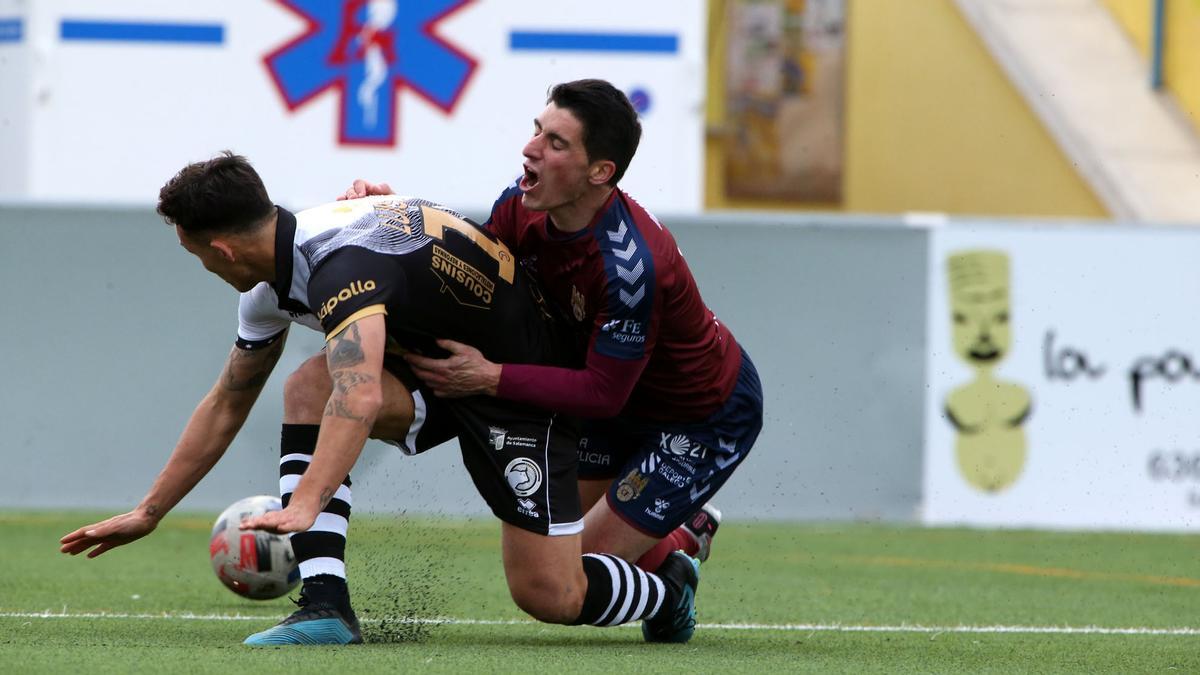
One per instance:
(316, 632)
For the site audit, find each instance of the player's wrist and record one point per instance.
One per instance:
(151, 511)
(495, 372)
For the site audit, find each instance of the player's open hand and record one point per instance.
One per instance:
(108, 534)
(464, 373)
(362, 188)
(291, 519)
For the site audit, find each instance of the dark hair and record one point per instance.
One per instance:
(610, 124)
(220, 195)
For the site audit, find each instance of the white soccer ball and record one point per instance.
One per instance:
(252, 563)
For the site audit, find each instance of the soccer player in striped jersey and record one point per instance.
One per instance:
(679, 399)
(382, 276)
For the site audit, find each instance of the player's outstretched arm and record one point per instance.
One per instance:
(355, 358)
(204, 440)
(362, 188)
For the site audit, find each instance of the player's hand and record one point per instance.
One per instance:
(362, 188)
(108, 534)
(464, 373)
(292, 519)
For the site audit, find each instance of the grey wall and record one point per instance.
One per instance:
(113, 334)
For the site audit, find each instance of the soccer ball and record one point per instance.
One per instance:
(256, 564)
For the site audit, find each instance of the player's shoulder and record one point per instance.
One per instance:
(260, 298)
(508, 203)
(624, 208)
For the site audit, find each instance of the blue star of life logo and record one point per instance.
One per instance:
(368, 50)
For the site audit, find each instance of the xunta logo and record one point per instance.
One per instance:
(367, 50)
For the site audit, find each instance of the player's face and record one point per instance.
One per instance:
(216, 260)
(556, 163)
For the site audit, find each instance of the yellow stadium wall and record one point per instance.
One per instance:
(931, 123)
(1181, 68)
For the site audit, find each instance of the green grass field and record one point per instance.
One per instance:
(773, 598)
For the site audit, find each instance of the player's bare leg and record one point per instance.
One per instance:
(325, 615)
(605, 531)
(549, 579)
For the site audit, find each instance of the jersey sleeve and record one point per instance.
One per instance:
(351, 284)
(260, 321)
(598, 391)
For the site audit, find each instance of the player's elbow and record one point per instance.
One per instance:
(363, 403)
(368, 400)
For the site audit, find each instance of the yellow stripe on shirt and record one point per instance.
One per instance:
(360, 314)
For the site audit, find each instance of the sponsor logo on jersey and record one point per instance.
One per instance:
(496, 437)
(681, 446)
(449, 267)
(527, 507)
(673, 477)
(524, 476)
(660, 505)
(500, 439)
(356, 287)
(631, 486)
(624, 331)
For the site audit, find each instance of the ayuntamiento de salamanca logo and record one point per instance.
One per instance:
(367, 50)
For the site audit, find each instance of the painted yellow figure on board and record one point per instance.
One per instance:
(986, 412)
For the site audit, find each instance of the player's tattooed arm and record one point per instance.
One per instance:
(350, 373)
(355, 358)
(247, 370)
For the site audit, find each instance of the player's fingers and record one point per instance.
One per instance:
(99, 550)
(454, 347)
(76, 535)
(75, 547)
(380, 189)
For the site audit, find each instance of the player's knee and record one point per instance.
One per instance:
(306, 391)
(547, 599)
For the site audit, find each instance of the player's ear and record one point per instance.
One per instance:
(601, 171)
(223, 248)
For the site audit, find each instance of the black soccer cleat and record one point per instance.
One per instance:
(676, 623)
(324, 617)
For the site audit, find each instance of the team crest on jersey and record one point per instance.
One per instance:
(577, 307)
(368, 50)
(496, 437)
(631, 486)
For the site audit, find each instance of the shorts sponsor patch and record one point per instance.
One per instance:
(524, 476)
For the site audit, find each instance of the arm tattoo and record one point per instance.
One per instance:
(336, 407)
(248, 370)
(344, 381)
(346, 349)
(326, 496)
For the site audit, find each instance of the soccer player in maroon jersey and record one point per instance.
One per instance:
(381, 276)
(677, 402)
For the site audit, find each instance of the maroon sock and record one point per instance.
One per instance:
(679, 540)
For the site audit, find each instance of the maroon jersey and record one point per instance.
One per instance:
(655, 350)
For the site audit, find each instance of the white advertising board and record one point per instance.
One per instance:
(1063, 378)
(436, 97)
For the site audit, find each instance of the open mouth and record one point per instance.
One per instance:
(529, 180)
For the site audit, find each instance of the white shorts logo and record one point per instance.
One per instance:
(524, 476)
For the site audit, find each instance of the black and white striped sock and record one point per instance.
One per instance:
(322, 548)
(618, 592)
